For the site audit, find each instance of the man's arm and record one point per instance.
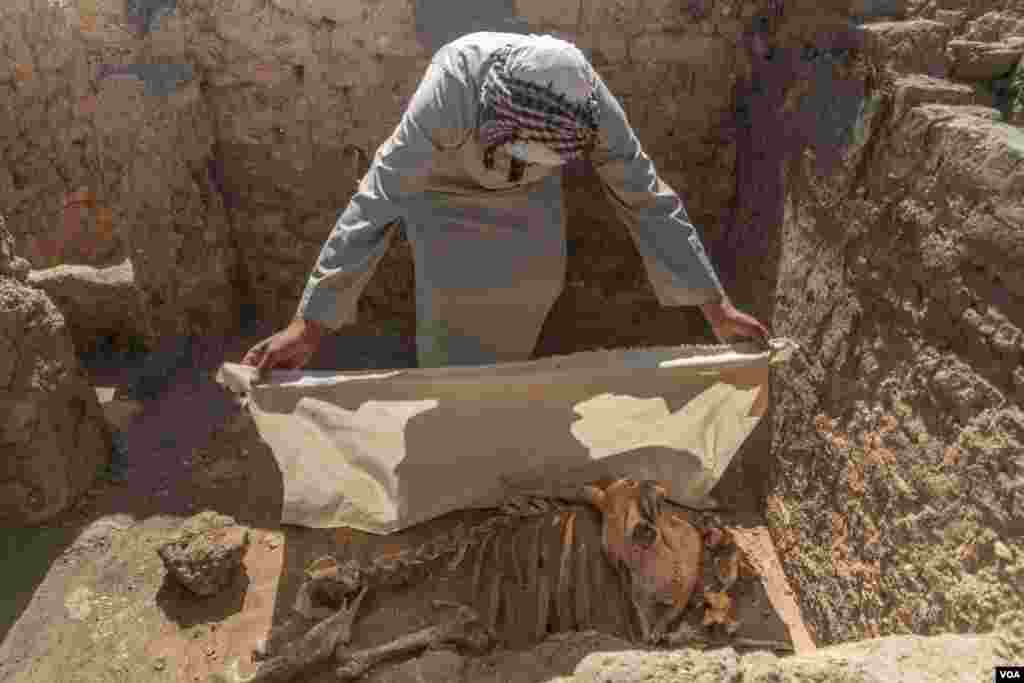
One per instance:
(366, 226)
(677, 265)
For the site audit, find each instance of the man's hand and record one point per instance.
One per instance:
(290, 349)
(730, 324)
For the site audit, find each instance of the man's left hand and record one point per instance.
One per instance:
(730, 324)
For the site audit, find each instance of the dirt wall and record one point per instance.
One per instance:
(895, 494)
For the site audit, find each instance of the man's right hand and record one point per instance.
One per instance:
(289, 349)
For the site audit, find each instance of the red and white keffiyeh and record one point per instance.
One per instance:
(520, 107)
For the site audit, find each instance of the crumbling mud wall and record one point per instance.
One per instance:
(53, 436)
(896, 499)
(99, 165)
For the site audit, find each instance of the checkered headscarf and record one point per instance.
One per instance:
(520, 110)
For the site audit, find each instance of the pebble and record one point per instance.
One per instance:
(160, 663)
(1002, 551)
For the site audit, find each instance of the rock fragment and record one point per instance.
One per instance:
(207, 553)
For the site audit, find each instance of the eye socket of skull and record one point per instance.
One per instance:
(644, 535)
(650, 500)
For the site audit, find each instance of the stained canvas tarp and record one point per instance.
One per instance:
(382, 451)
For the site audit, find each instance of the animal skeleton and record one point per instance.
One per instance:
(656, 553)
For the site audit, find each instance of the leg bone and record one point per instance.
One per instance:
(356, 664)
(314, 648)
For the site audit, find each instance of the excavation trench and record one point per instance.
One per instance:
(868, 216)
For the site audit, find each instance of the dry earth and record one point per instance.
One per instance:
(854, 166)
